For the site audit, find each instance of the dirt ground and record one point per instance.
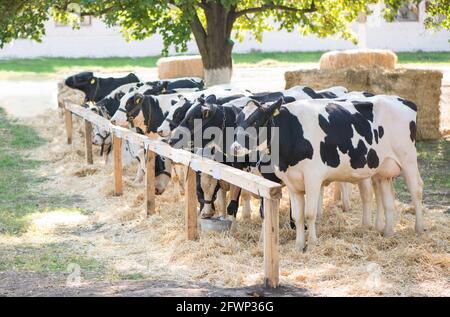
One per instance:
(109, 247)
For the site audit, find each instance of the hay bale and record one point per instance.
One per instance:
(358, 58)
(66, 93)
(423, 87)
(180, 66)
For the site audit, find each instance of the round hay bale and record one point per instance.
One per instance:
(358, 59)
(180, 66)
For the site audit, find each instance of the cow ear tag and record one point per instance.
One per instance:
(276, 112)
(137, 100)
(92, 81)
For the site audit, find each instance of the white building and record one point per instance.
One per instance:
(94, 39)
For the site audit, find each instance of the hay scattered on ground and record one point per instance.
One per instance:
(348, 261)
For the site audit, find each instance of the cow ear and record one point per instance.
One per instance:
(253, 102)
(206, 112)
(274, 108)
(138, 98)
(211, 99)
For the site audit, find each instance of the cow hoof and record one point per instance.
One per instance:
(419, 229)
(300, 245)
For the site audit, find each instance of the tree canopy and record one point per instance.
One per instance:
(213, 23)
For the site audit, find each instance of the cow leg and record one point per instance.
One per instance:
(379, 222)
(388, 204)
(365, 191)
(320, 205)
(298, 215)
(221, 202)
(415, 187)
(345, 196)
(246, 207)
(312, 191)
(336, 192)
(141, 168)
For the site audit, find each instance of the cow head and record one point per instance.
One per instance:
(174, 117)
(253, 116)
(203, 111)
(86, 82)
(130, 107)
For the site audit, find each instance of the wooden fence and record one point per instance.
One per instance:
(269, 191)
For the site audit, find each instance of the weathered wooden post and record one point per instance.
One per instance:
(271, 236)
(88, 141)
(69, 125)
(150, 206)
(191, 205)
(117, 148)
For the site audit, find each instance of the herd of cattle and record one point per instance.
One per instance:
(325, 136)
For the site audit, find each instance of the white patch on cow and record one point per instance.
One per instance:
(249, 109)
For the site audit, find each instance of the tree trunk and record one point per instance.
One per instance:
(214, 43)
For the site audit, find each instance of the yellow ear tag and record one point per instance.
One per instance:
(93, 81)
(276, 113)
(137, 101)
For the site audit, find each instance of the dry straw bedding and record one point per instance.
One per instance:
(348, 261)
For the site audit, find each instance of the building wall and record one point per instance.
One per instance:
(97, 40)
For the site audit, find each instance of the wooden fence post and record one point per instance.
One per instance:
(88, 141)
(117, 148)
(271, 236)
(69, 125)
(191, 205)
(150, 183)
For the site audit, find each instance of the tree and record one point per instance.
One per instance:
(213, 23)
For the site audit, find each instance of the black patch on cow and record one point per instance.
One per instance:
(310, 92)
(368, 94)
(140, 85)
(327, 95)
(295, 147)
(365, 108)
(375, 134)
(372, 159)
(339, 133)
(412, 131)
(408, 103)
(380, 131)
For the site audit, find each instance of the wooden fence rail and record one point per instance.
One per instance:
(270, 191)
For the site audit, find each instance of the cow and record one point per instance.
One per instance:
(97, 88)
(178, 110)
(130, 152)
(328, 140)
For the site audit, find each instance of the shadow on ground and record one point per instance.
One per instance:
(14, 283)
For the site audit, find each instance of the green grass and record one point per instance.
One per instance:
(16, 175)
(434, 163)
(52, 65)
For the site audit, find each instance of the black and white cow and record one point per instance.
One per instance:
(131, 153)
(97, 88)
(178, 111)
(328, 140)
(211, 185)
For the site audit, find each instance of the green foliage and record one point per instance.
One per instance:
(176, 20)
